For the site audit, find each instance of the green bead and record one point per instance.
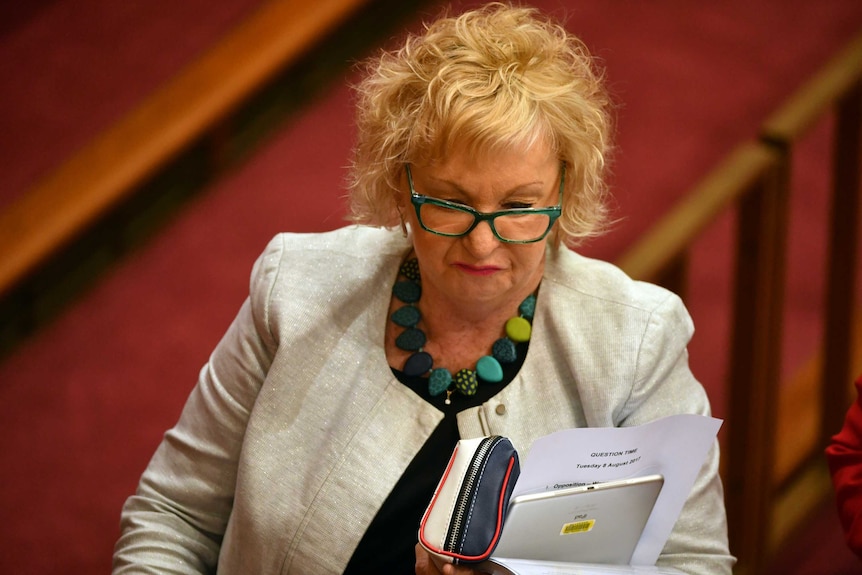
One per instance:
(489, 369)
(439, 381)
(466, 382)
(518, 329)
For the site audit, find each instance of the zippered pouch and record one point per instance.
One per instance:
(465, 517)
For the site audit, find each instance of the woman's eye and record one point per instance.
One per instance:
(517, 205)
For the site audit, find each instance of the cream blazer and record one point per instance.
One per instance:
(297, 430)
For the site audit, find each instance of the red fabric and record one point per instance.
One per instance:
(844, 455)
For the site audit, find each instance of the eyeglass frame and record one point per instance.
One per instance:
(553, 212)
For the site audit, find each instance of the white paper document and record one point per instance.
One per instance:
(675, 447)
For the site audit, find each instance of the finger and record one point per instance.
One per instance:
(450, 569)
(424, 564)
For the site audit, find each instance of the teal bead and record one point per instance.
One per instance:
(411, 339)
(528, 307)
(439, 381)
(407, 316)
(466, 382)
(407, 291)
(504, 350)
(410, 269)
(489, 369)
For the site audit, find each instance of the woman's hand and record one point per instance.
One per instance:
(425, 565)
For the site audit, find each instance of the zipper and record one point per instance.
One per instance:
(468, 488)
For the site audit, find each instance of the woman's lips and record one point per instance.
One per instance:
(477, 270)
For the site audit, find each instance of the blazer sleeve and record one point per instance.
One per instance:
(844, 455)
(176, 520)
(665, 385)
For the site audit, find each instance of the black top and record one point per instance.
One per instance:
(388, 544)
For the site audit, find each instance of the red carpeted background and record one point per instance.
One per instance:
(85, 401)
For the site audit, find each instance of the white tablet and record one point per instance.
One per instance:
(599, 523)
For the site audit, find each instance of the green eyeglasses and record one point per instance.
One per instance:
(515, 226)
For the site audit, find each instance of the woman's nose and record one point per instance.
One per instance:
(481, 241)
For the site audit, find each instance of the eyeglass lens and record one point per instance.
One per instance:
(516, 227)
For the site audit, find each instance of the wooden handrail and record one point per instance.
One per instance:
(808, 104)
(672, 236)
(94, 180)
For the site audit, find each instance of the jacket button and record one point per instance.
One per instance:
(501, 409)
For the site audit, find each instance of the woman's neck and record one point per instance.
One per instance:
(458, 335)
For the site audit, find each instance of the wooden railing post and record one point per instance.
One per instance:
(843, 242)
(755, 365)
(675, 276)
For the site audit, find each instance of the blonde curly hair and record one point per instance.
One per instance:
(500, 76)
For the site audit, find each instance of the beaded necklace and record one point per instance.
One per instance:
(465, 381)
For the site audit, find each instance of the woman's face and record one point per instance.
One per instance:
(478, 268)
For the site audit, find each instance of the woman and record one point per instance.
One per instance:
(324, 418)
